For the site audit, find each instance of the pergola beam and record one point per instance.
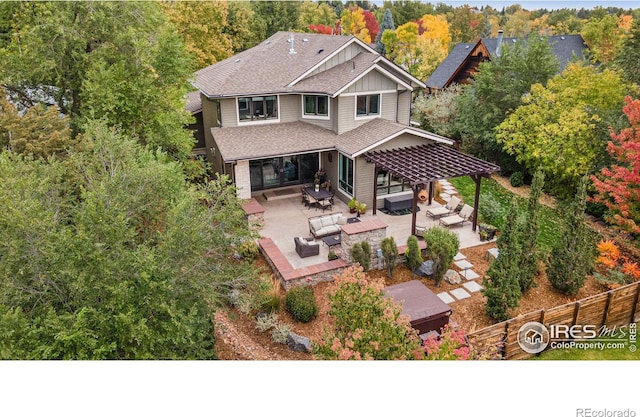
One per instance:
(422, 165)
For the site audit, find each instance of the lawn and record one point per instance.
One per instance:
(549, 218)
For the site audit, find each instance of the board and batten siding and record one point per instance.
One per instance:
(404, 107)
(373, 81)
(403, 141)
(340, 58)
(347, 110)
(229, 112)
(290, 109)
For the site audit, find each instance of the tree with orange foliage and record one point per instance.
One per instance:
(618, 186)
(354, 21)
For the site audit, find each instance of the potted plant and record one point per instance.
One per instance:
(316, 184)
(487, 231)
(353, 205)
(332, 255)
(362, 208)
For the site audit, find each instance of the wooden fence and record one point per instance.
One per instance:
(616, 307)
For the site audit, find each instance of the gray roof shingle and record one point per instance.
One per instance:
(267, 67)
(263, 141)
(451, 63)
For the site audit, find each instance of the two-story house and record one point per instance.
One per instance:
(275, 114)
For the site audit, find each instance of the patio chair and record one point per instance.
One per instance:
(325, 203)
(449, 208)
(312, 201)
(306, 246)
(457, 219)
(305, 197)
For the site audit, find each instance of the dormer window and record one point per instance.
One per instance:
(257, 108)
(315, 107)
(368, 105)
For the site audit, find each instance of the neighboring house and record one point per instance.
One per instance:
(462, 62)
(275, 114)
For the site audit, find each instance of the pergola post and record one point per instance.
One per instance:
(431, 190)
(375, 188)
(413, 209)
(478, 180)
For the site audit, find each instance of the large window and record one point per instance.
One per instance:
(388, 183)
(257, 108)
(346, 175)
(368, 105)
(316, 106)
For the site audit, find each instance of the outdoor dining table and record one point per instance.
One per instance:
(319, 195)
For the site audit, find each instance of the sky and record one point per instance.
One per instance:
(542, 4)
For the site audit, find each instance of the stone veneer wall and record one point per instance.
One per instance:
(254, 213)
(373, 231)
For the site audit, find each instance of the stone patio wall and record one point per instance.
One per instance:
(372, 231)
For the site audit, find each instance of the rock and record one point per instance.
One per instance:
(298, 343)
(426, 269)
(452, 277)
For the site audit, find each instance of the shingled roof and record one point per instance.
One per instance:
(447, 69)
(564, 48)
(263, 141)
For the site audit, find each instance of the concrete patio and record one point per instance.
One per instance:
(285, 217)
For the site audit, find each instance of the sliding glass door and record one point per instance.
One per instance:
(282, 171)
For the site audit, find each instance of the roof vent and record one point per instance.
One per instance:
(305, 40)
(513, 40)
(237, 60)
(467, 47)
(267, 42)
(291, 50)
(499, 43)
(320, 51)
(562, 37)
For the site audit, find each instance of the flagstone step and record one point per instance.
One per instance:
(444, 296)
(472, 286)
(460, 293)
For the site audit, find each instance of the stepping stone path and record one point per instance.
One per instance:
(463, 264)
(459, 257)
(469, 274)
(444, 196)
(444, 296)
(472, 286)
(460, 293)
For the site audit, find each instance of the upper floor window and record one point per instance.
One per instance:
(257, 108)
(368, 105)
(317, 106)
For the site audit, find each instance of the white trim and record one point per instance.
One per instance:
(316, 117)
(245, 122)
(382, 71)
(425, 135)
(336, 52)
(363, 93)
(368, 116)
(404, 72)
(353, 161)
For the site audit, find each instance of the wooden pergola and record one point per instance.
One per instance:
(422, 165)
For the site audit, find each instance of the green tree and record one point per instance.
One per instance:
(313, 13)
(128, 264)
(386, 24)
(562, 129)
(629, 58)
(413, 254)
(389, 254)
(497, 90)
(529, 260)
(464, 24)
(367, 324)
(501, 286)
(201, 25)
(244, 29)
(437, 113)
(405, 11)
(604, 37)
(277, 15)
(119, 61)
(442, 246)
(572, 256)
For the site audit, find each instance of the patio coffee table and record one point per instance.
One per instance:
(332, 241)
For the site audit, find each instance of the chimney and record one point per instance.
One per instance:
(499, 44)
(291, 50)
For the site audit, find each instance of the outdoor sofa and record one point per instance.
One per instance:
(321, 226)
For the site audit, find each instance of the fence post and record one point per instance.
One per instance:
(576, 311)
(606, 309)
(635, 304)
